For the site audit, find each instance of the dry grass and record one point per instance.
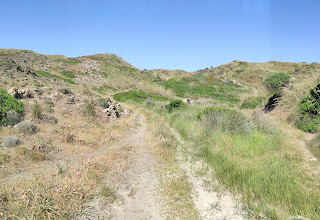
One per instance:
(56, 171)
(176, 187)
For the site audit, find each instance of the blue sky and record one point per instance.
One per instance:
(170, 34)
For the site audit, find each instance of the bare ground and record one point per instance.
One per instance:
(138, 189)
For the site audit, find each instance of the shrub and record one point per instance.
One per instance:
(48, 102)
(10, 141)
(174, 104)
(309, 108)
(102, 102)
(26, 127)
(49, 119)
(12, 117)
(86, 90)
(224, 119)
(251, 102)
(65, 91)
(7, 103)
(308, 124)
(36, 111)
(274, 81)
(89, 109)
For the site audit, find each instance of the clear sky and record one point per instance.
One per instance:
(171, 34)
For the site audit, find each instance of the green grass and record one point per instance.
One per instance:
(136, 96)
(256, 163)
(68, 74)
(200, 87)
(12, 64)
(69, 61)
(251, 102)
(50, 75)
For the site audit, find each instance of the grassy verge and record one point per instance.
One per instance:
(251, 157)
(176, 188)
(50, 75)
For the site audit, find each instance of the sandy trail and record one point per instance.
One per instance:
(139, 186)
(210, 201)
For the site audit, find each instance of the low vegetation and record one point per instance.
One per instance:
(136, 96)
(250, 156)
(199, 86)
(275, 81)
(314, 146)
(251, 102)
(50, 75)
(68, 74)
(9, 103)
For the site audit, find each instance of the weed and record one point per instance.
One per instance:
(36, 111)
(60, 168)
(89, 109)
(108, 193)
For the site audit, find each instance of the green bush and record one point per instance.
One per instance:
(174, 104)
(251, 102)
(136, 96)
(275, 81)
(308, 124)
(7, 103)
(310, 111)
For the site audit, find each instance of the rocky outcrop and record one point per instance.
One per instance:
(113, 109)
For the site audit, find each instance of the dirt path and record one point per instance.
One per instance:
(138, 187)
(210, 199)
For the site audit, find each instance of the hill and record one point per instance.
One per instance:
(96, 137)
